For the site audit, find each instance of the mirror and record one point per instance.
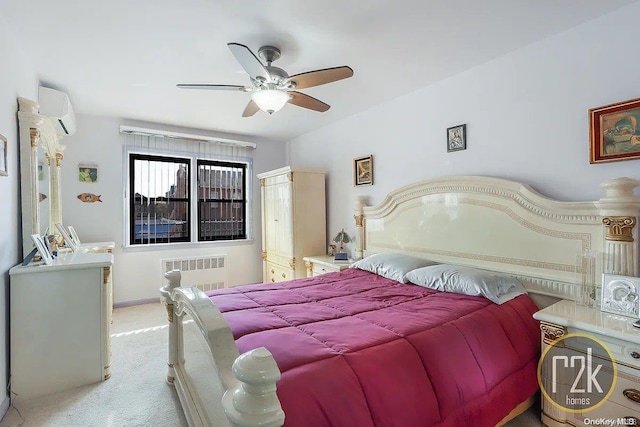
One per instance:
(40, 162)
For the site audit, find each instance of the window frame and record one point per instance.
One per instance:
(219, 200)
(132, 200)
(128, 244)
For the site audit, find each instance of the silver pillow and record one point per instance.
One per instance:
(496, 287)
(391, 265)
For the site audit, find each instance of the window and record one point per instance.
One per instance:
(162, 201)
(185, 189)
(221, 200)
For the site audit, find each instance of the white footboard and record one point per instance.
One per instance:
(216, 385)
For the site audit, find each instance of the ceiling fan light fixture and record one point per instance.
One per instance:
(270, 100)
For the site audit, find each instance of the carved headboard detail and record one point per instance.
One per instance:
(505, 226)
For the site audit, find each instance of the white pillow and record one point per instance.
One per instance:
(496, 287)
(391, 265)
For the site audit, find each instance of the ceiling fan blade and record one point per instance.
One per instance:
(249, 61)
(213, 87)
(320, 77)
(306, 101)
(250, 109)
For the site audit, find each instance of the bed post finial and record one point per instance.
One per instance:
(619, 209)
(359, 218)
(253, 400)
(174, 278)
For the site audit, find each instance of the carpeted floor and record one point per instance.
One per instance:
(136, 394)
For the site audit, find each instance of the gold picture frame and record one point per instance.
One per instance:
(614, 132)
(363, 170)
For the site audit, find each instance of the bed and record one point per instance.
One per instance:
(354, 348)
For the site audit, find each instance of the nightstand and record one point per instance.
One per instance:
(623, 342)
(322, 264)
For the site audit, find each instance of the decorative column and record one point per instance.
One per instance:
(55, 214)
(620, 209)
(359, 218)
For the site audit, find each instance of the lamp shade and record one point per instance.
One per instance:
(270, 100)
(342, 237)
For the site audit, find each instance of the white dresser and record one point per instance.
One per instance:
(293, 221)
(60, 316)
(623, 342)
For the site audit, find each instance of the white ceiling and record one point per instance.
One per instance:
(123, 58)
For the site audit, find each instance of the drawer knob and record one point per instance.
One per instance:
(272, 272)
(283, 276)
(632, 394)
(635, 355)
(273, 280)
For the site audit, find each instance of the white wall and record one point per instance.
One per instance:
(526, 116)
(18, 79)
(137, 274)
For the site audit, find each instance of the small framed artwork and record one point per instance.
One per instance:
(41, 246)
(3, 156)
(331, 250)
(621, 295)
(88, 172)
(614, 132)
(457, 138)
(68, 240)
(363, 170)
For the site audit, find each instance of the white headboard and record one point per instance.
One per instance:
(505, 226)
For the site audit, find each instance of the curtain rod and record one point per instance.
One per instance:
(131, 130)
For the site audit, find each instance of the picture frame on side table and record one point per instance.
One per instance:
(363, 170)
(621, 295)
(614, 132)
(3, 156)
(38, 241)
(457, 138)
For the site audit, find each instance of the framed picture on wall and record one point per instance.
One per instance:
(88, 172)
(363, 170)
(457, 138)
(3, 156)
(614, 132)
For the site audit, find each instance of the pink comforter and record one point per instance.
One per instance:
(358, 350)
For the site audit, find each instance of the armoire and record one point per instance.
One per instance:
(293, 221)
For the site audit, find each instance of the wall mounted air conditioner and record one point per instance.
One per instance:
(56, 105)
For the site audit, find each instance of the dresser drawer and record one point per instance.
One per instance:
(277, 273)
(319, 269)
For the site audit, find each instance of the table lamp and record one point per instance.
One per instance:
(342, 238)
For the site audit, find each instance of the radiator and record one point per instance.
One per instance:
(206, 272)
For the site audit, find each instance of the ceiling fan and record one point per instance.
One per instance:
(271, 87)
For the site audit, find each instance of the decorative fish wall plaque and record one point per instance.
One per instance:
(89, 198)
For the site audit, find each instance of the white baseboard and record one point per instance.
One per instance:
(136, 302)
(4, 407)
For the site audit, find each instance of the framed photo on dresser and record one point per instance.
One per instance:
(621, 295)
(38, 241)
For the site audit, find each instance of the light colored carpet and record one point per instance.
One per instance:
(136, 394)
